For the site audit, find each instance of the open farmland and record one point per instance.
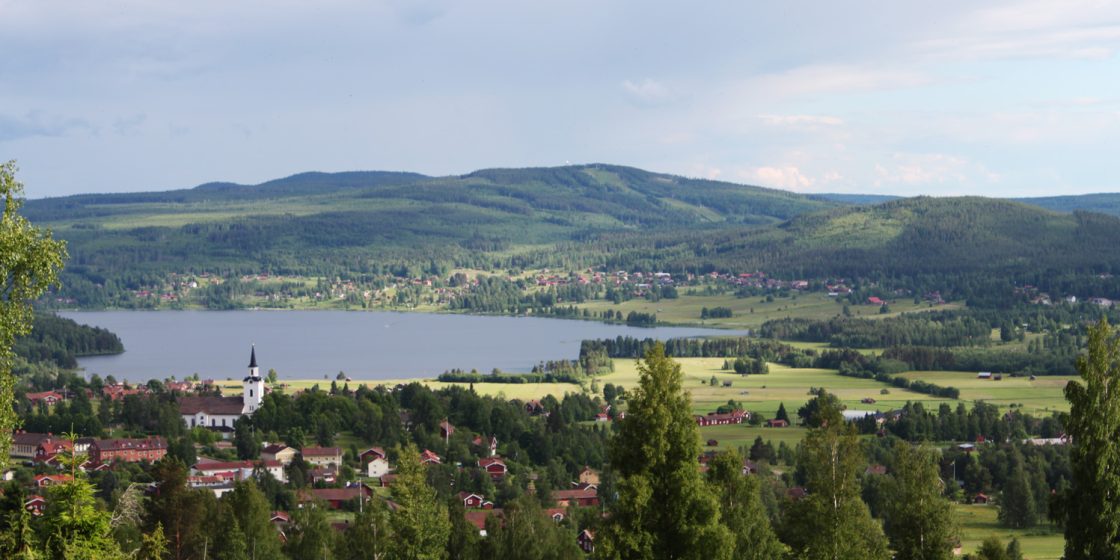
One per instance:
(1039, 397)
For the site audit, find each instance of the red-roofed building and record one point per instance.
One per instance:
(36, 505)
(45, 480)
(47, 397)
(581, 497)
(478, 517)
(586, 541)
(51, 447)
(495, 467)
(128, 450)
(322, 456)
(428, 457)
(716, 419)
(334, 497)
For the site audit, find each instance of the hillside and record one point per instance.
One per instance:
(958, 236)
(318, 224)
(1103, 203)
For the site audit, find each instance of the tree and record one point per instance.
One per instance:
(72, 525)
(525, 532)
(368, 536)
(742, 511)
(991, 549)
(832, 522)
(1092, 527)
(309, 533)
(782, 414)
(918, 518)
(253, 514)
(1016, 505)
(653, 456)
(29, 264)
(246, 439)
(420, 526)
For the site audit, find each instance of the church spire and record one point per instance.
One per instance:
(253, 357)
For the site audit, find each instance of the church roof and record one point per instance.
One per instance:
(211, 405)
(253, 357)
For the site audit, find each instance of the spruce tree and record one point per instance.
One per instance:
(1016, 504)
(251, 510)
(919, 520)
(832, 522)
(1093, 502)
(664, 509)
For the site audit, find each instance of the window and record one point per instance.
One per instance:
(250, 393)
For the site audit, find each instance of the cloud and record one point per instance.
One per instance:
(648, 92)
(795, 120)
(35, 123)
(931, 169)
(786, 177)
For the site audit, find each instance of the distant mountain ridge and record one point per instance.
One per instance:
(1104, 203)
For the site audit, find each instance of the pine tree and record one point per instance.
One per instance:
(918, 518)
(742, 511)
(1093, 503)
(420, 526)
(663, 509)
(832, 522)
(782, 414)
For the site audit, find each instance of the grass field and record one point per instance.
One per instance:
(751, 312)
(1040, 397)
(978, 522)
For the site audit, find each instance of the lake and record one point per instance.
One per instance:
(364, 345)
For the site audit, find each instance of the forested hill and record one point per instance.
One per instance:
(958, 236)
(1103, 203)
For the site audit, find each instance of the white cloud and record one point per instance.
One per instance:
(648, 92)
(787, 177)
(794, 120)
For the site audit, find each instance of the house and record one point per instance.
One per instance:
(875, 469)
(602, 417)
(556, 514)
(777, 423)
(386, 480)
(219, 413)
(981, 498)
(240, 470)
(494, 466)
(46, 397)
(220, 484)
(325, 475)
(478, 517)
(534, 407)
(376, 462)
(279, 452)
(867, 400)
(128, 450)
(333, 497)
(984, 375)
(322, 456)
(875, 301)
(446, 429)
(796, 493)
(589, 476)
(45, 480)
(25, 444)
(488, 445)
(716, 419)
(586, 541)
(428, 457)
(475, 501)
(49, 448)
(581, 497)
(36, 505)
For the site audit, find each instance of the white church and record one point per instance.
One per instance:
(219, 413)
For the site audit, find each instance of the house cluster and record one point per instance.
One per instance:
(101, 454)
(722, 419)
(584, 492)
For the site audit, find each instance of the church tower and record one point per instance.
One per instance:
(252, 386)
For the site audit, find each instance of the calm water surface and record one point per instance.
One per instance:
(365, 345)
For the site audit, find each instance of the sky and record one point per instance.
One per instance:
(955, 97)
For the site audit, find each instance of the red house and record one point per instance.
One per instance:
(45, 480)
(36, 505)
(586, 540)
(428, 457)
(446, 429)
(714, 419)
(371, 454)
(777, 423)
(494, 466)
(48, 397)
(334, 497)
(581, 497)
(51, 447)
(128, 450)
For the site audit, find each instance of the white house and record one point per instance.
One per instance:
(378, 463)
(219, 413)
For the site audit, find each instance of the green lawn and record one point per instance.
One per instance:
(978, 522)
(1039, 397)
(751, 312)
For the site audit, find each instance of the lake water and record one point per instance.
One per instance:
(365, 345)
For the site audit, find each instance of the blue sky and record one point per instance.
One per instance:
(954, 97)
